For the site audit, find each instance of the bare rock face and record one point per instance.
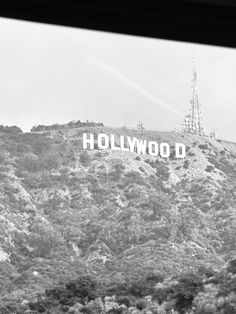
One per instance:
(65, 211)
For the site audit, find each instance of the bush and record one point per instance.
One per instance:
(172, 152)
(83, 288)
(144, 286)
(186, 289)
(84, 158)
(203, 146)
(117, 172)
(123, 300)
(33, 164)
(231, 267)
(140, 305)
(210, 168)
(10, 129)
(151, 163)
(134, 177)
(186, 164)
(98, 154)
(206, 271)
(141, 169)
(162, 171)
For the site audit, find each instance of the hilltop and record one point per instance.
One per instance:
(113, 215)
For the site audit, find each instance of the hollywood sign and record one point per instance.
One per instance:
(132, 144)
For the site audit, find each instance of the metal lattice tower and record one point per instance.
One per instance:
(140, 128)
(193, 121)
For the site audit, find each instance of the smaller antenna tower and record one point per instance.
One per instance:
(140, 128)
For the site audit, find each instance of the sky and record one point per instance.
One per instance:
(55, 74)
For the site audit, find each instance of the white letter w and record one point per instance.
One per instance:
(141, 146)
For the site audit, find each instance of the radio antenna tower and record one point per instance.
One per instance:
(140, 128)
(193, 121)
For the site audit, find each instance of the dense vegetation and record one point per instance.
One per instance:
(115, 232)
(70, 125)
(203, 291)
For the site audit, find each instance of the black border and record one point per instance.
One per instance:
(208, 22)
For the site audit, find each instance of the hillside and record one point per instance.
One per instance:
(113, 215)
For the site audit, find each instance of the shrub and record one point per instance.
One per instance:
(140, 305)
(118, 289)
(186, 164)
(172, 152)
(141, 169)
(162, 171)
(210, 168)
(134, 177)
(151, 163)
(144, 286)
(203, 146)
(33, 165)
(116, 311)
(86, 310)
(187, 288)
(39, 306)
(98, 154)
(84, 287)
(231, 267)
(10, 129)
(206, 271)
(84, 158)
(117, 172)
(123, 300)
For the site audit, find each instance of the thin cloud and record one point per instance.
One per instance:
(107, 68)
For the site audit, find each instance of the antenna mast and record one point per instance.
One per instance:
(193, 121)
